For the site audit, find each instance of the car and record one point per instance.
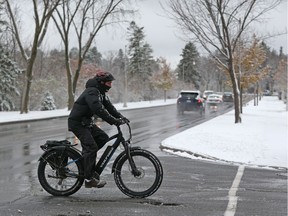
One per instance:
(228, 97)
(266, 93)
(214, 98)
(189, 100)
(206, 93)
(213, 101)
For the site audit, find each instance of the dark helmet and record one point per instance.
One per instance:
(104, 76)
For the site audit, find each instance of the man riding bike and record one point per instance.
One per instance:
(93, 101)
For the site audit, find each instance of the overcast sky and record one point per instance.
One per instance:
(163, 35)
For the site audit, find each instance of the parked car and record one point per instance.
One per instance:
(227, 97)
(207, 93)
(190, 101)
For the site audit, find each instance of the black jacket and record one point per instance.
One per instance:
(92, 101)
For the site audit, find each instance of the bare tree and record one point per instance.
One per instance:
(42, 11)
(218, 25)
(84, 18)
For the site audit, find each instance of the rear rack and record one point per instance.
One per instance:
(54, 143)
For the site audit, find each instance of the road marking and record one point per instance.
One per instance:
(232, 204)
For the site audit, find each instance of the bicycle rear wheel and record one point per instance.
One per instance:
(60, 172)
(146, 182)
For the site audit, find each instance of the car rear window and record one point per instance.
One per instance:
(190, 95)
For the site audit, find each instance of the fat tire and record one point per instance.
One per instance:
(150, 166)
(51, 161)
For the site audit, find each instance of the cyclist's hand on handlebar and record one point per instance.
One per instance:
(126, 120)
(120, 122)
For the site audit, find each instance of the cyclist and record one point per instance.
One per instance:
(93, 101)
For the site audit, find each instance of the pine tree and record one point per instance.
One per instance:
(48, 102)
(187, 67)
(119, 70)
(8, 85)
(140, 61)
(94, 57)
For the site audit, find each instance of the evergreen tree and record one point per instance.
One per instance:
(94, 57)
(147, 59)
(48, 102)
(136, 37)
(73, 54)
(8, 85)
(140, 62)
(118, 68)
(273, 59)
(187, 67)
(119, 61)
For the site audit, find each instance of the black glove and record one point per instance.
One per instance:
(120, 122)
(125, 119)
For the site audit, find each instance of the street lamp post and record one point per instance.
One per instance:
(183, 72)
(125, 87)
(125, 81)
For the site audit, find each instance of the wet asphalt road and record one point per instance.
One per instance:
(190, 187)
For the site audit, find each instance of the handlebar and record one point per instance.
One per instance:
(129, 129)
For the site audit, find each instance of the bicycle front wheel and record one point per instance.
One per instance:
(60, 172)
(148, 178)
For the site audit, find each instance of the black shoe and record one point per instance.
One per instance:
(97, 183)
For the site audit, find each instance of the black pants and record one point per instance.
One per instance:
(92, 139)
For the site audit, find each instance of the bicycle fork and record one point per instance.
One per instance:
(134, 169)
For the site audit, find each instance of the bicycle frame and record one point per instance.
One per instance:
(110, 150)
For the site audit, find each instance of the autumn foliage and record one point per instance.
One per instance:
(250, 63)
(164, 79)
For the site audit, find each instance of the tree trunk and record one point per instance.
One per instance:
(236, 102)
(70, 91)
(241, 99)
(25, 95)
(236, 91)
(77, 74)
(28, 81)
(70, 83)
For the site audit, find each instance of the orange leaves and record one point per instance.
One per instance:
(253, 57)
(164, 79)
(251, 60)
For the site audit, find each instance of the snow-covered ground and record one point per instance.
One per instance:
(260, 140)
(6, 117)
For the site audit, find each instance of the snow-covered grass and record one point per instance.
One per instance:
(260, 140)
(6, 117)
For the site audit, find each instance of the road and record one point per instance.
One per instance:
(190, 187)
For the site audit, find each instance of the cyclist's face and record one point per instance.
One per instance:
(109, 84)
